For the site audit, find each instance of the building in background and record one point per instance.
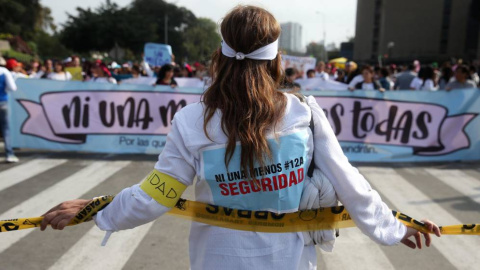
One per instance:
(428, 30)
(291, 37)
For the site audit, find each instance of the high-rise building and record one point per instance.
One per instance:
(429, 30)
(291, 37)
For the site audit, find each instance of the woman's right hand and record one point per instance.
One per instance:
(61, 215)
(417, 234)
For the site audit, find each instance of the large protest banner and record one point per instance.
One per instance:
(371, 126)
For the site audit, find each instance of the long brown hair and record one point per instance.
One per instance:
(246, 91)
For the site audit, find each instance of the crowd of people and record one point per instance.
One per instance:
(101, 72)
(413, 76)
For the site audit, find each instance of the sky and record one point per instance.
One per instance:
(339, 16)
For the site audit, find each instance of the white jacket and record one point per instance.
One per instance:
(189, 153)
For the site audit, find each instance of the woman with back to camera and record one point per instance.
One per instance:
(242, 123)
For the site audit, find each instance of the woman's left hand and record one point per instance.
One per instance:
(61, 215)
(418, 238)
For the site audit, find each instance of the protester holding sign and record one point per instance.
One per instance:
(246, 130)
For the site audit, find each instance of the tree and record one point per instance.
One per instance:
(49, 46)
(316, 50)
(130, 27)
(24, 18)
(201, 40)
(153, 12)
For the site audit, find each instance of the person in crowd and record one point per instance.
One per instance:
(332, 72)
(369, 82)
(321, 71)
(445, 77)
(101, 74)
(458, 62)
(239, 125)
(76, 61)
(59, 73)
(340, 76)
(417, 65)
(35, 67)
(188, 70)
(310, 73)
(165, 76)
(376, 72)
(200, 70)
(384, 79)
(115, 68)
(462, 75)
(350, 72)
(16, 69)
(474, 75)
(392, 69)
(136, 71)
(7, 83)
(404, 79)
(87, 67)
(426, 80)
(358, 78)
(291, 74)
(46, 69)
(179, 72)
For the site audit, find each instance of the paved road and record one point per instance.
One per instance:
(446, 193)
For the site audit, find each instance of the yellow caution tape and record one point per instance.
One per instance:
(246, 220)
(83, 215)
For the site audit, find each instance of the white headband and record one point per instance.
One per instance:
(268, 52)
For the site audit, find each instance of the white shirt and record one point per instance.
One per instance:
(368, 86)
(104, 80)
(357, 79)
(322, 75)
(18, 75)
(64, 76)
(188, 153)
(418, 84)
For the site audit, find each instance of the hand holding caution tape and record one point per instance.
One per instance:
(430, 226)
(61, 215)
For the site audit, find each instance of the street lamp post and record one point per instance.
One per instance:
(324, 43)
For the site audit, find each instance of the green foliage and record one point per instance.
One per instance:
(24, 18)
(131, 27)
(99, 29)
(49, 46)
(202, 39)
(19, 56)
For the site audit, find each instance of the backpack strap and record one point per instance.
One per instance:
(312, 163)
(303, 99)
